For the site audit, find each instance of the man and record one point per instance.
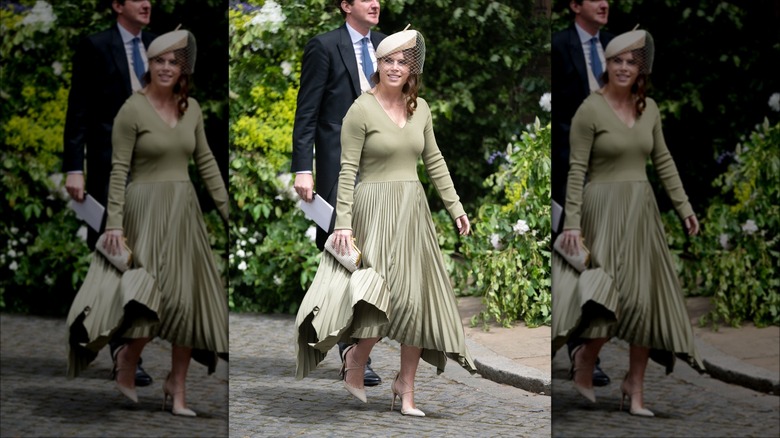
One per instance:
(335, 70)
(107, 68)
(577, 64)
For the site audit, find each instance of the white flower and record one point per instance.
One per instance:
(13, 242)
(57, 67)
(774, 101)
(546, 102)
(14, 230)
(288, 191)
(495, 240)
(286, 68)
(13, 266)
(270, 17)
(23, 240)
(724, 241)
(749, 227)
(252, 240)
(11, 253)
(521, 227)
(59, 188)
(277, 280)
(311, 233)
(241, 253)
(242, 230)
(48, 280)
(242, 265)
(81, 233)
(41, 15)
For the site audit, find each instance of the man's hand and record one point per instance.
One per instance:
(304, 186)
(74, 184)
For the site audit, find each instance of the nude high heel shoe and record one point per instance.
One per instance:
(359, 393)
(126, 391)
(625, 392)
(184, 412)
(414, 412)
(588, 393)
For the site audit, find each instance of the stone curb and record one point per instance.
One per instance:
(500, 369)
(732, 370)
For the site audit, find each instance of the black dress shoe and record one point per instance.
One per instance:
(600, 378)
(141, 378)
(370, 378)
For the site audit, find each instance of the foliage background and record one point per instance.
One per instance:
(43, 256)
(712, 82)
(487, 66)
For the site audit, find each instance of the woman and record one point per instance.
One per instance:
(173, 289)
(402, 291)
(631, 290)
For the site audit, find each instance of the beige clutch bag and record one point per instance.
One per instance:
(121, 261)
(579, 261)
(351, 261)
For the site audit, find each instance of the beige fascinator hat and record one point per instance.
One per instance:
(410, 42)
(180, 41)
(640, 42)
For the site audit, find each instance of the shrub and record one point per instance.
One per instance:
(508, 255)
(736, 259)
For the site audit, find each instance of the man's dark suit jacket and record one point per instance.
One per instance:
(330, 82)
(99, 86)
(569, 88)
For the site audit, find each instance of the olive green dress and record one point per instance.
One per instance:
(402, 290)
(173, 289)
(631, 289)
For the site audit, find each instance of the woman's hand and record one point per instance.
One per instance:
(113, 241)
(692, 225)
(571, 242)
(464, 227)
(343, 241)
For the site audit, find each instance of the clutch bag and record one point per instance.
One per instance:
(351, 261)
(121, 261)
(579, 261)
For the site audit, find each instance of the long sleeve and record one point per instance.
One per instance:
(207, 166)
(437, 168)
(667, 170)
(353, 136)
(76, 120)
(314, 75)
(123, 138)
(581, 141)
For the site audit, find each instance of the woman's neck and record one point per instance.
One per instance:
(390, 95)
(618, 94)
(159, 93)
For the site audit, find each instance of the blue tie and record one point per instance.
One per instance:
(595, 62)
(368, 66)
(138, 62)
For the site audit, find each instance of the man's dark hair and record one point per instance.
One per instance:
(338, 6)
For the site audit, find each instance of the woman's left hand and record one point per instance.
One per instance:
(464, 227)
(692, 225)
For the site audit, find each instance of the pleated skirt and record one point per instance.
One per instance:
(631, 290)
(402, 290)
(173, 289)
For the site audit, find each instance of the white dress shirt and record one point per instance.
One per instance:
(585, 38)
(127, 39)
